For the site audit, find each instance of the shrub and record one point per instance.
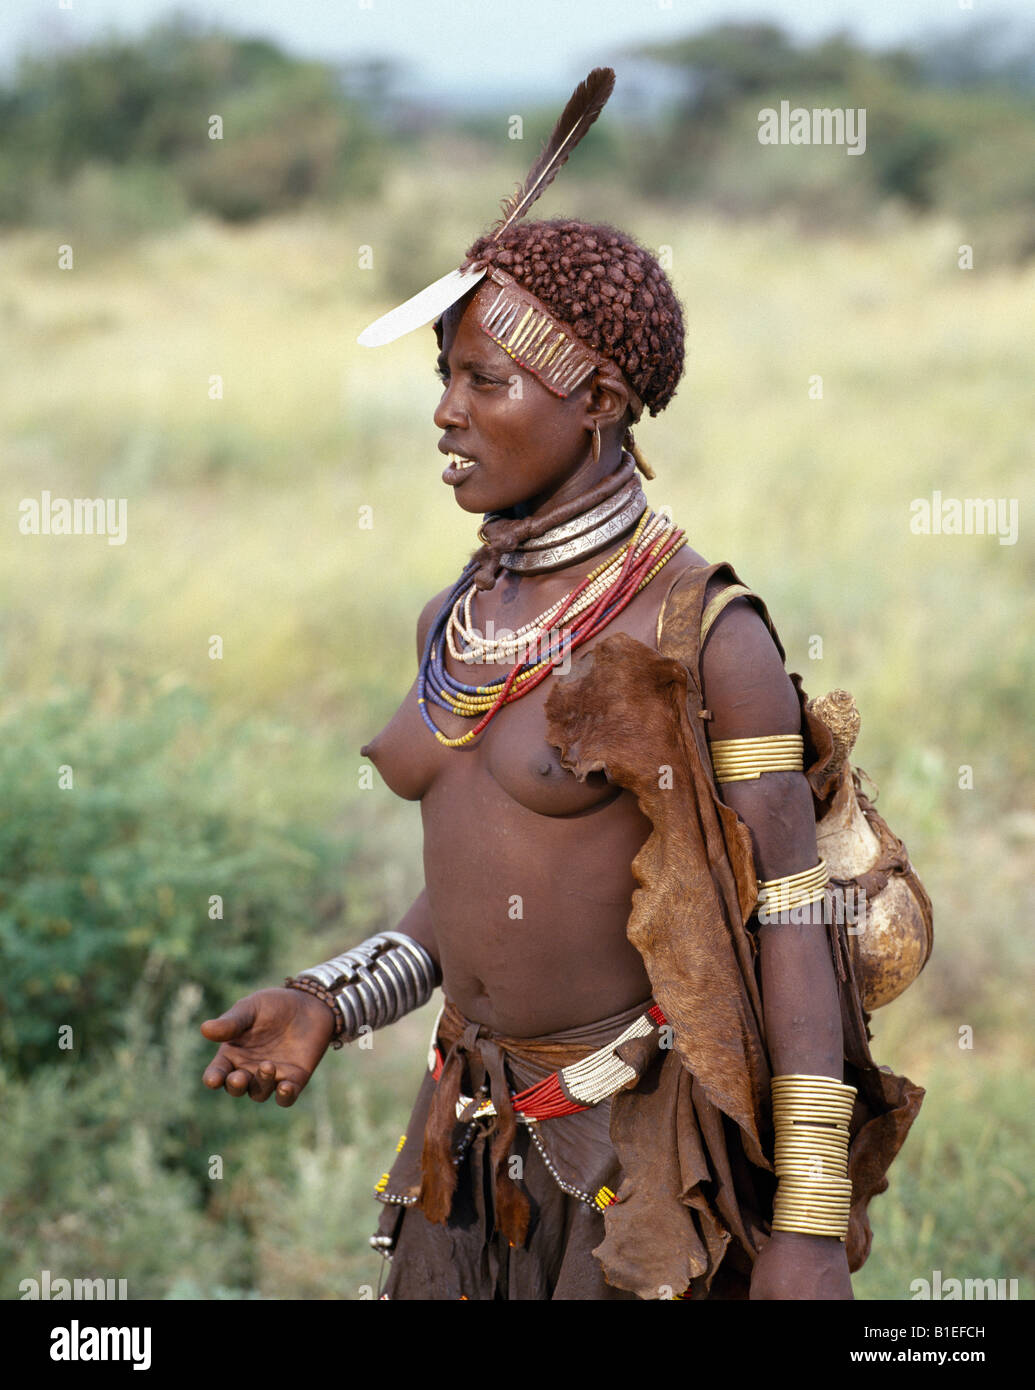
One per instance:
(107, 884)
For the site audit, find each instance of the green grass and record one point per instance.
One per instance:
(244, 522)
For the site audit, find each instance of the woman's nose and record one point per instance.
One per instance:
(449, 411)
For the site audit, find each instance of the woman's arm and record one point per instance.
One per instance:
(748, 693)
(273, 1040)
(417, 924)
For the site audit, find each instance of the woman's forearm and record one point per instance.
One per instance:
(800, 1000)
(799, 989)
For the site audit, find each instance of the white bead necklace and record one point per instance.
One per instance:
(474, 648)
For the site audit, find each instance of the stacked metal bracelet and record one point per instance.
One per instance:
(372, 985)
(776, 895)
(745, 759)
(811, 1115)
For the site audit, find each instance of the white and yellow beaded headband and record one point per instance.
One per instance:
(515, 318)
(539, 341)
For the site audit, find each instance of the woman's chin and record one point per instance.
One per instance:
(478, 500)
(468, 501)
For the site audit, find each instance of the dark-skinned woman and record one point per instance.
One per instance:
(623, 895)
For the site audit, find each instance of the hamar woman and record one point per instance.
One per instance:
(651, 1075)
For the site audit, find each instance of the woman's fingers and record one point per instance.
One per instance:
(215, 1074)
(287, 1093)
(263, 1082)
(221, 1071)
(237, 1020)
(243, 1030)
(239, 1081)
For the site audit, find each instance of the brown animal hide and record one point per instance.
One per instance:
(694, 1135)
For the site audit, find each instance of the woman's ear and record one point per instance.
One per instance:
(608, 400)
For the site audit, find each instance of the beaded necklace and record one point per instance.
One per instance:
(501, 649)
(588, 608)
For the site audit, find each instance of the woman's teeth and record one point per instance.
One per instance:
(458, 461)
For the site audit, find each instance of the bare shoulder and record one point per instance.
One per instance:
(746, 686)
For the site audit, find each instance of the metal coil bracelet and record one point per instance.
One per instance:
(375, 983)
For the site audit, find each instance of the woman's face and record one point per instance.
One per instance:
(527, 444)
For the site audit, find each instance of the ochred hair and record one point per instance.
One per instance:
(609, 289)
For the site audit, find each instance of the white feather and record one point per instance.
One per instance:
(421, 309)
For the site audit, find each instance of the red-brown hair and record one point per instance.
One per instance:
(609, 289)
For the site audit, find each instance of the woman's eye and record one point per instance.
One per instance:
(479, 380)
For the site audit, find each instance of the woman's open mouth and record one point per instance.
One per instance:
(458, 468)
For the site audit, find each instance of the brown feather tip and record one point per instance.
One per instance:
(584, 106)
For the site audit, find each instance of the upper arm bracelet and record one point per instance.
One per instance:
(743, 759)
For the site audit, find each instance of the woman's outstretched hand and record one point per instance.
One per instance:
(272, 1039)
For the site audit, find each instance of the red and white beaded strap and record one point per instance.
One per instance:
(574, 1088)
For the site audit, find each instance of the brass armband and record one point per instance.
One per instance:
(744, 759)
(776, 895)
(811, 1117)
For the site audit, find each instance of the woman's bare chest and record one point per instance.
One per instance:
(512, 751)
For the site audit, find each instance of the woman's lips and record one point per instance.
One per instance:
(458, 469)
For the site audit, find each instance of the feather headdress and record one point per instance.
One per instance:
(584, 106)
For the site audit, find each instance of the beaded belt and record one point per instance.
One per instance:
(576, 1087)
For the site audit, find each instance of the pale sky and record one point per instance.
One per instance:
(529, 47)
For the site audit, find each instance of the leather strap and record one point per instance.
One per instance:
(719, 602)
(686, 586)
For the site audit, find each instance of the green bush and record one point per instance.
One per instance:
(106, 884)
(94, 1174)
(282, 144)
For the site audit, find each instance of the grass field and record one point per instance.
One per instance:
(244, 521)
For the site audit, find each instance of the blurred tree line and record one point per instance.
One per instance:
(125, 124)
(134, 116)
(950, 125)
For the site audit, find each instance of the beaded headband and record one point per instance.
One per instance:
(544, 345)
(514, 318)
